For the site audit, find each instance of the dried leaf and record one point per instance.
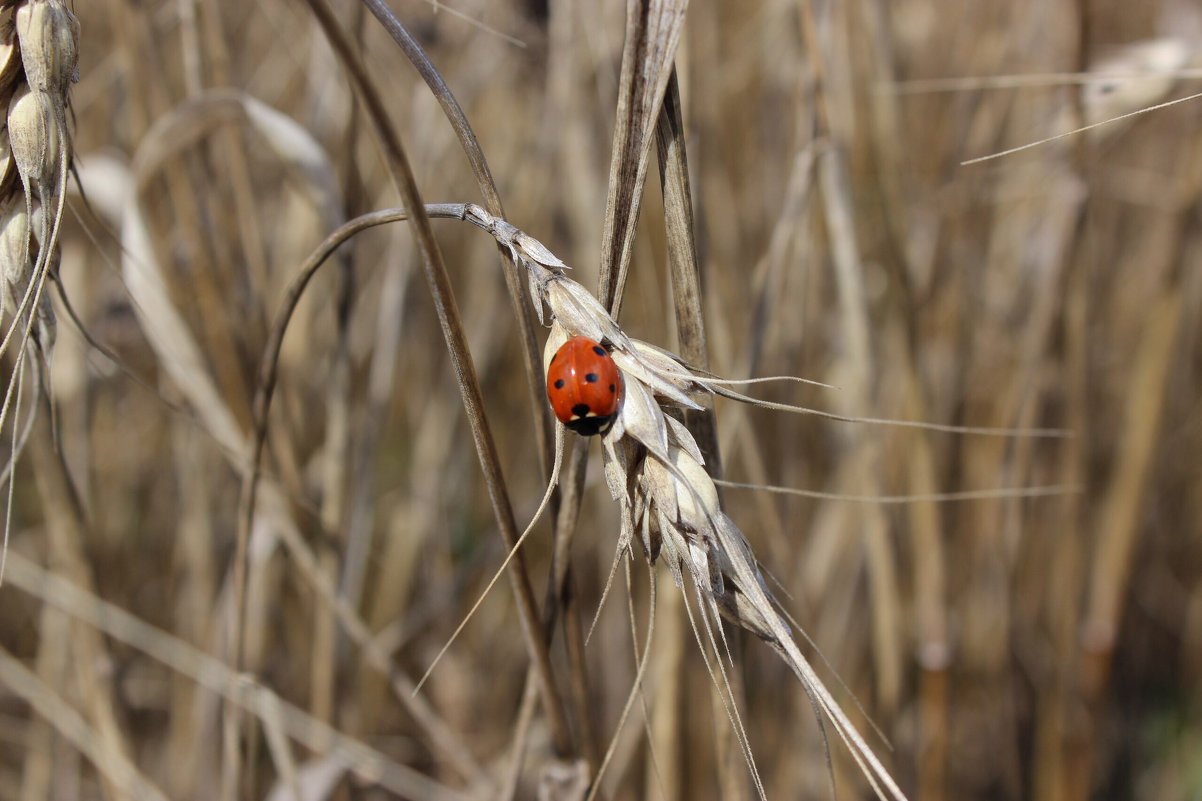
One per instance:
(653, 30)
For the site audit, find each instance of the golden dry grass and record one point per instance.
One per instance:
(1045, 645)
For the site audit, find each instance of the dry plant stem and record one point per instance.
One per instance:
(652, 33)
(926, 547)
(380, 384)
(150, 101)
(518, 295)
(836, 197)
(889, 150)
(715, 656)
(520, 740)
(448, 315)
(667, 713)
(682, 261)
(635, 690)
(53, 664)
(277, 744)
(337, 451)
(1065, 776)
(334, 502)
(853, 305)
(559, 599)
(1062, 768)
(930, 583)
(197, 463)
(768, 277)
(637, 658)
(130, 34)
(231, 152)
(440, 735)
(518, 298)
(685, 275)
(268, 374)
(568, 114)
(1119, 516)
(121, 776)
(94, 614)
(730, 759)
(390, 319)
(556, 599)
(571, 493)
(571, 490)
(1055, 739)
(67, 534)
(578, 675)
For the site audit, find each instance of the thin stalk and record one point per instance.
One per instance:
(518, 295)
(685, 275)
(66, 532)
(447, 311)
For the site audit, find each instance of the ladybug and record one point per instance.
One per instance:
(584, 386)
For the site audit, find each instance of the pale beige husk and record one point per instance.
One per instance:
(48, 34)
(39, 55)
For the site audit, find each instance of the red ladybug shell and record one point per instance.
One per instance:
(584, 386)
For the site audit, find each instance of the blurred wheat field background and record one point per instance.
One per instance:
(1020, 616)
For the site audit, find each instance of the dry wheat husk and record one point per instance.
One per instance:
(669, 504)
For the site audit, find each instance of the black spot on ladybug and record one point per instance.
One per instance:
(580, 409)
(559, 383)
(597, 349)
(591, 378)
(612, 388)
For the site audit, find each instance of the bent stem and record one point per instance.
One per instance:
(450, 323)
(492, 201)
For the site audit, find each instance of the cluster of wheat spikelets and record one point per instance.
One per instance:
(669, 504)
(39, 45)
